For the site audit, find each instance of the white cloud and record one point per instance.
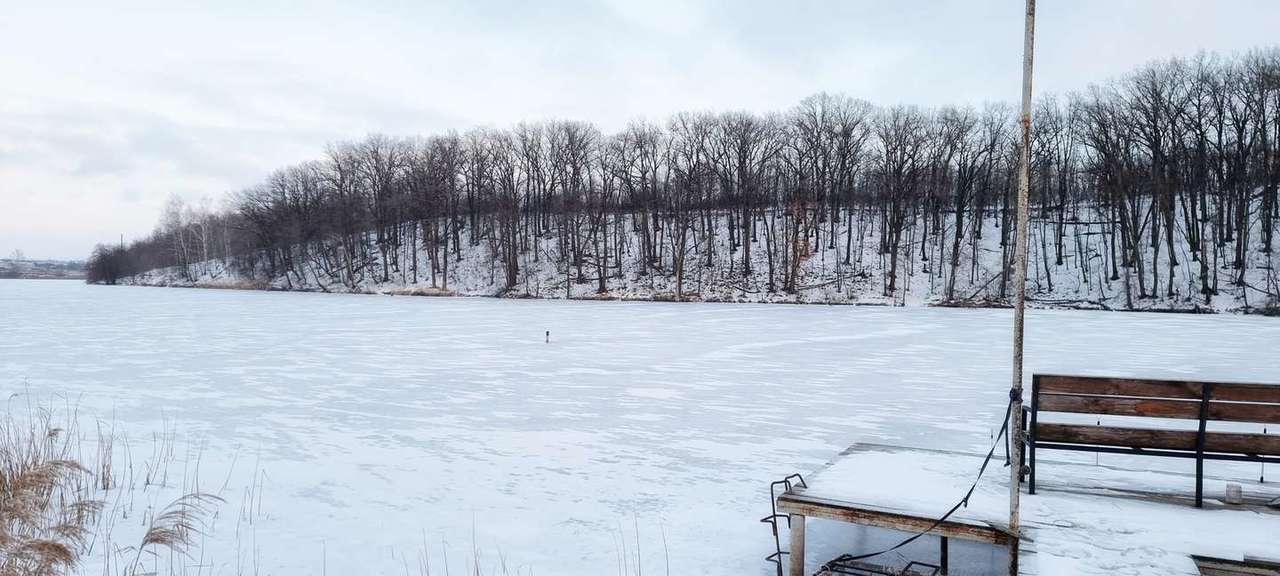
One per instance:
(107, 108)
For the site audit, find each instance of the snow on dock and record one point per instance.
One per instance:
(1084, 519)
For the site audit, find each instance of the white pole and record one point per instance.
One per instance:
(1020, 285)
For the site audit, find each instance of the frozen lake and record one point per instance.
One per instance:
(377, 427)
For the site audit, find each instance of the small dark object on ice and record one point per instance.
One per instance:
(548, 336)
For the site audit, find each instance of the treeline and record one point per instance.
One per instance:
(1174, 167)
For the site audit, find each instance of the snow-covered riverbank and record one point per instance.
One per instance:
(850, 270)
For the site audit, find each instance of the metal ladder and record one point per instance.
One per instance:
(772, 519)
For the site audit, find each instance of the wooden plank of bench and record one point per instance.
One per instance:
(1114, 436)
(1115, 406)
(1143, 388)
(1158, 439)
(1159, 408)
(1263, 393)
(1090, 385)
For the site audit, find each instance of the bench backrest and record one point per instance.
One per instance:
(1188, 400)
(1227, 401)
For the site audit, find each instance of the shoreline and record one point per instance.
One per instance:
(435, 292)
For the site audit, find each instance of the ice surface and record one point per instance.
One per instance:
(376, 423)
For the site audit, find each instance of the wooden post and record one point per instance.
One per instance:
(944, 561)
(795, 560)
(1020, 285)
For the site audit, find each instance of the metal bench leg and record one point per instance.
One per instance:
(1031, 434)
(1199, 483)
(1031, 484)
(1205, 392)
(795, 561)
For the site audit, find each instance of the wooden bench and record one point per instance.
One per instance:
(1202, 402)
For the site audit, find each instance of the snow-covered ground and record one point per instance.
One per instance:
(350, 434)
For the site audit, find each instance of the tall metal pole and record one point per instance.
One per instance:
(1020, 285)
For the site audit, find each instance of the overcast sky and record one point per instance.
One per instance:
(107, 108)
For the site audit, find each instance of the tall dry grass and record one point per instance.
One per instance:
(45, 512)
(67, 506)
(175, 527)
(53, 507)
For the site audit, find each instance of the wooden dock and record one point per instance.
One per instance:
(1084, 519)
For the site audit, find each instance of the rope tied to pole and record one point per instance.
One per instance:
(963, 503)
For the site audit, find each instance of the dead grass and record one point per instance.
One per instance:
(175, 527)
(64, 497)
(421, 291)
(232, 285)
(45, 512)
(53, 507)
